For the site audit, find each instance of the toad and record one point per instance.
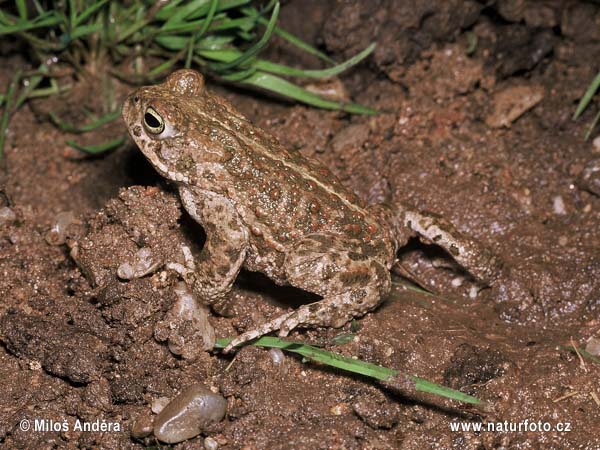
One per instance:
(269, 209)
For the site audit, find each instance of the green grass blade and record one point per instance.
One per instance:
(207, 21)
(8, 106)
(22, 8)
(167, 10)
(227, 55)
(49, 20)
(69, 128)
(281, 69)
(354, 366)
(213, 42)
(84, 30)
(584, 353)
(175, 43)
(587, 97)
(89, 11)
(182, 13)
(97, 149)
(252, 12)
(283, 87)
(72, 13)
(224, 5)
(301, 44)
(253, 50)
(592, 125)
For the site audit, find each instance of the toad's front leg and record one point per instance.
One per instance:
(226, 243)
(328, 265)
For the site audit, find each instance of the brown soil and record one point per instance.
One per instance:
(484, 140)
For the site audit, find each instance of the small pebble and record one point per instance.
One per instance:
(558, 205)
(340, 409)
(589, 177)
(189, 330)
(512, 102)
(143, 264)
(142, 427)
(457, 282)
(593, 346)
(210, 444)
(190, 412)
(473, 291)
(7, 215)
(57, 235)
(596, 144)
(277, 356)
(158, 404)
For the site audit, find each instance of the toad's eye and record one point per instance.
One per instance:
(153, 122)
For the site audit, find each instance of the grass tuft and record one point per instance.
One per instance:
(140, 42)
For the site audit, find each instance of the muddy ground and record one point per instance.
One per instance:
(476, 104)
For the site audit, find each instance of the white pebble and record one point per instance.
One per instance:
(143, 264)
(473, 292)
(57, 235)
(277, 356)
(559, 205)
(7, 215)
(457, 282)
(596, 144)
(159, 403)
(188, 310)
(593, 346)
(210, 444)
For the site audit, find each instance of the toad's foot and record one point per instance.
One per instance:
(470, 254)
(332, 312)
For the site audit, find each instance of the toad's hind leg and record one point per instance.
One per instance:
(351, 285)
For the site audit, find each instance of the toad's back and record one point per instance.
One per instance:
(279, 193)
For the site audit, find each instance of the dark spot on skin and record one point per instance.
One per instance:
(314, 307)
(381, 271)
(233, 225)
(371, 229)
(222, 271)
(275, 194)
(209, 228)
(358, 294)
(368, 250)
(231, 253)
(353, 229)
(354, 256)
(217, 241)
(137, 131)
(454, 251)
(321, 239)
(355, 278)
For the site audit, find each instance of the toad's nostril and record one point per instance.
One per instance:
(136, 99)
